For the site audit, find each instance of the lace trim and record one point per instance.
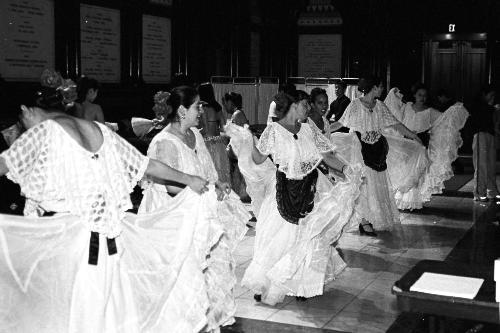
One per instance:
(296, 157)
(55, 171)
(370, 137)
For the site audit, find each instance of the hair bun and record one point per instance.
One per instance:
(56, 92)
(366, 83)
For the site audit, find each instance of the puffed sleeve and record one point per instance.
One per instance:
(133, 161)
(165, 151)
(267, 140)
(27, 156)
(350, 115)
(205, 158)
(387, 118)
(320, 141)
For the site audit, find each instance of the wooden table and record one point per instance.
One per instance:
(483, 308)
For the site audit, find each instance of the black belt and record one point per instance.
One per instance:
(94, 247)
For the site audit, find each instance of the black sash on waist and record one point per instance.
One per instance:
(94, 247)
(295, 198)
(375, 155)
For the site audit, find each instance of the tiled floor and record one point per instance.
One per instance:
(360, 300)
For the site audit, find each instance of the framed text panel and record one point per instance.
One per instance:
(156, 49)
(100, 43)
(27, 43)
(320, 55)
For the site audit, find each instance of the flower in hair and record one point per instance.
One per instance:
(68, 91)
(160, 100)
(51, 79)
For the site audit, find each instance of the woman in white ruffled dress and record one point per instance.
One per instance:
(181, 146)
(366, 117)
(440, 133)
(92, 267)
(302, 213)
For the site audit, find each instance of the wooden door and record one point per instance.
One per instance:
(474, 69)
(458, 66)
(445, 67)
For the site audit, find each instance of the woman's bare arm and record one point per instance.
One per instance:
(162, 171)
(403, 130)
(333, 161)
(3, 167)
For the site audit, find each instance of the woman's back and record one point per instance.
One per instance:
(89, 111)
(71, 165)
(214, 121)
(86, 133)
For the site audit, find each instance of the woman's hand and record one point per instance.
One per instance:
(198, 184)
(335, 126)
(222, 189)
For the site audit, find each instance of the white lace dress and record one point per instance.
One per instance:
(153, 283)
(376, 202)
(413, 188)
(293, 259)
(229, 215)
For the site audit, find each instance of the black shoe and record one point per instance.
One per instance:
(300, 298)
(257, 297)
(362, 231)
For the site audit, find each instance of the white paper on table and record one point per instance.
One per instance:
(447, 285)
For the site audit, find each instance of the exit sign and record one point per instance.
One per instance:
(451, 27)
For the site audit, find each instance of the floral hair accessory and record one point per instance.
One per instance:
(66, 87)
(160, 99)
(68, 91)
(51, 79)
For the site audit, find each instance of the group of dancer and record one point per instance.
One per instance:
(94, 267)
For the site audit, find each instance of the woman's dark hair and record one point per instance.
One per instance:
(284, 101)
(486, 89)
(206, 92)
(49, 99)
(317, 92)
(83, 87)
(417, 86)
(287, 88)
(366, 83)
(183, 95)
(342, 84)
(443, 92)
(235, 98)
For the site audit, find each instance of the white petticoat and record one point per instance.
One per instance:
(376, 202)
(258, 177)
(299, 260)
(291, 259)
(444, 142)
(155, 283)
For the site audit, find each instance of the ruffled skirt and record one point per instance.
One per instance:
(298, 260)
(165, 276)
(259, 178)
(376, 203)
(414, 188)
(292, 259)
